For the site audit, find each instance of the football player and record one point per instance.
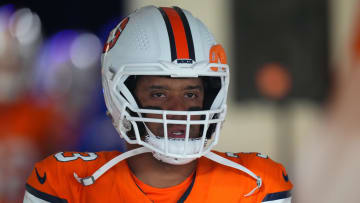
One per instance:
(165, 82)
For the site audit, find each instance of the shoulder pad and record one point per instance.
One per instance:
(54, 175)
(274, 176)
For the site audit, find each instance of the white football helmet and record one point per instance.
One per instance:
(164, 42)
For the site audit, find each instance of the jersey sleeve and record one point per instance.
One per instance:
(276, 182)
(276, 185)
(45, 183)
(52, 180)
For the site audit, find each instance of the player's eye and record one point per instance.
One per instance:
(191, 95)
(158, 95)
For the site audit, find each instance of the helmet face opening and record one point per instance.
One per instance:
(173, 132)
(211, 86)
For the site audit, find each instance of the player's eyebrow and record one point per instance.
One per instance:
(158, 87)
(190, 87)
(161, 87)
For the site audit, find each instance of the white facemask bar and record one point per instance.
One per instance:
(205, 124)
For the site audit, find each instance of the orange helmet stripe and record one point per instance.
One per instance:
(180, 37)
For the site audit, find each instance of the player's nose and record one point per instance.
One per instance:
(177, 104)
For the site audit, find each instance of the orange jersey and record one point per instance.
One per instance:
(53, 180)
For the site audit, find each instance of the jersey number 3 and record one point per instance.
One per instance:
(88, 157)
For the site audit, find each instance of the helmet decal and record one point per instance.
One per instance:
(115, 34)
(217, 54)
(181, 41)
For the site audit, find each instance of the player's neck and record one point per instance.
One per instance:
(159, 174)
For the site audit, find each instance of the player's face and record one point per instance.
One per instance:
(163, 93)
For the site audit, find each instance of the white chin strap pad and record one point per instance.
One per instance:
(175, 146)
(172, 160)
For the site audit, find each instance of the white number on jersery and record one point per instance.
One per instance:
(90, 156)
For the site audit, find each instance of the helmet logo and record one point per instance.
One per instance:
(217, 55)
(115, 34)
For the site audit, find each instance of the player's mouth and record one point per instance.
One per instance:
(178, 132)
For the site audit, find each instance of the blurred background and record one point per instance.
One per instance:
(287, 59)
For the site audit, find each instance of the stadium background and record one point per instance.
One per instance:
(285, 59)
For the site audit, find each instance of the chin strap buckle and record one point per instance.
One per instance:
(85, 181)
(258, 183)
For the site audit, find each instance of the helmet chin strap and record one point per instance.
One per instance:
(221, 160)
(91, 179)
(210, 155)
